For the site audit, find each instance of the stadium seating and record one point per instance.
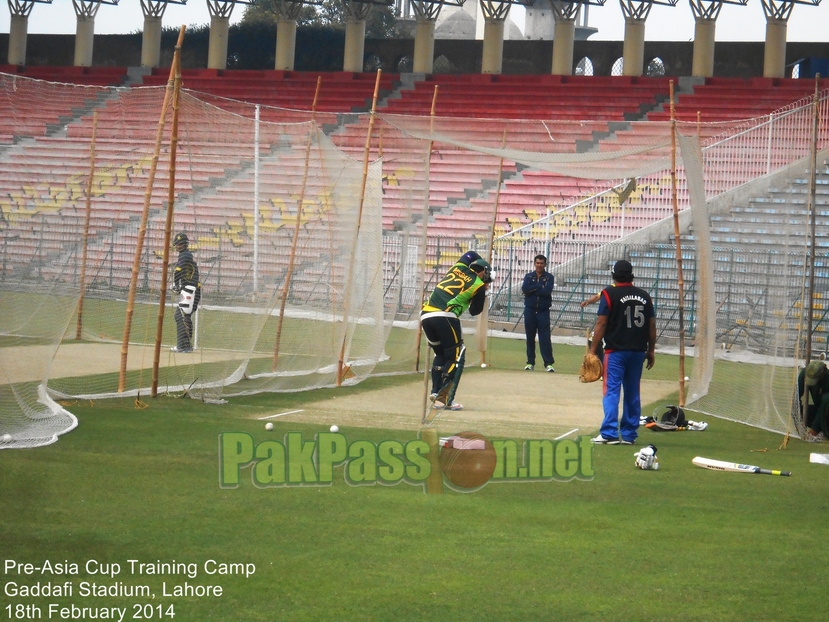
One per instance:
(582, 98)
(462, 187)
(89, 76)
(531, 97)
(728, 99)
(339, 91)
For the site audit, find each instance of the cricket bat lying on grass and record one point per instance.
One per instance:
(719, 465)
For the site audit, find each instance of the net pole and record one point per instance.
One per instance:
(168, 223)
(483, 322)
(341, 366)
(808, 282)
(811, 208)
(679, 278)
(425, 218)
(142, 229)
(425, 243)
(256, 201)
(87, 218)
(292, 257)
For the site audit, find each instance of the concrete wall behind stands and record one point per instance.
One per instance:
(520, 57)
(731, 59)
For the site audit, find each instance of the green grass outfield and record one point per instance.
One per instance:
(680, 543)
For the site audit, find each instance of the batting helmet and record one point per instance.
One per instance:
(673, 417)
(481, 265)
(181, 238)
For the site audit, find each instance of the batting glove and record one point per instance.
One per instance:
(646, 459)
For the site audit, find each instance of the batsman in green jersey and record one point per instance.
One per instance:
(464, 287)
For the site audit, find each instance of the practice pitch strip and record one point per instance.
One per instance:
(496, 402)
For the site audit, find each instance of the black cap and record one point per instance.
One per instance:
(622, 271)
(181, 238)
(468, 257)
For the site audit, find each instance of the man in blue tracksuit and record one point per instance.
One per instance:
(627, 323)
(538, 298)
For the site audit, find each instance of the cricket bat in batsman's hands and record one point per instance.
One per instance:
(720, 465)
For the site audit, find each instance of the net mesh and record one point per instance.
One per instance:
(316, 245)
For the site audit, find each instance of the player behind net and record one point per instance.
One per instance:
(187, 285)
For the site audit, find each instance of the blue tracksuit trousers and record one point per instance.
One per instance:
(538, 322)
(622, 372)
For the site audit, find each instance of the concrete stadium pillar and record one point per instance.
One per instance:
(151, 42)
(493, 54)
(424, 50)
(704, 38)
(774, 59)
(84, 39)
(18, 33)
(564, 35)
(633, 51)
(217, 48)
(285, 44)
(355, 44)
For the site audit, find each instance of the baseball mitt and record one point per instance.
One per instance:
(591, 368)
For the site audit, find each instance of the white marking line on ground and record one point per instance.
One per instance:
(566, 434)
(290, 412)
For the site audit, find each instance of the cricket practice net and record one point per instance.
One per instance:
(317, 235)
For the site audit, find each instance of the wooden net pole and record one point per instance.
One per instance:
(807, 304)
(808, 282)
(292, 257)
(341, 367)
(424, 244)
(679, 277)
(142, 229)
(87, 218)
(168, 223)
(425, 218)
(483, 321)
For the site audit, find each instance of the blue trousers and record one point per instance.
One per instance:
(538, 322)
(622, 371)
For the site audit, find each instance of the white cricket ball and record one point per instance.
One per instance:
(334, 428)
(269, 426)
(483, 365)
(7, 438)
(687, 378)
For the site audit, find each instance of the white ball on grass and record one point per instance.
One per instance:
(334, 428)
(687, 378)
(7, 438)
(483, 365)
(269, 426)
